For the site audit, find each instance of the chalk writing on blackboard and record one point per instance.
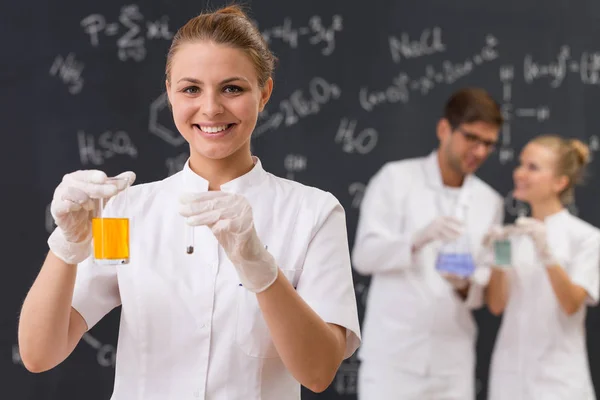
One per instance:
(133, 30)
(69, 71)
(362, 142)
(446, 73)
(356, 191)
(96, 150)
(315, 31)
(294, 163)
(429, 42)
(106, 353)
(510, 112)
(587, 66)
(175, 164)
(300, 104)
(160, 115)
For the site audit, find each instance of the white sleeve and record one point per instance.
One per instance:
(485, 258)
(96, 290)
(381, 245)
(584, 268)
(326, 282)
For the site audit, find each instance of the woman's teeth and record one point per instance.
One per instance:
(213, 129)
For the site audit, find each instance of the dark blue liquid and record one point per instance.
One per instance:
(455, 263)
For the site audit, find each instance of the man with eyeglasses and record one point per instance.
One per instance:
(418, 332)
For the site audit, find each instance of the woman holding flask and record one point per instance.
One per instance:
(540, 351)
(258, 304)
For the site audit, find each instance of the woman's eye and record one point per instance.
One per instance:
(191, 90)
(232, 89)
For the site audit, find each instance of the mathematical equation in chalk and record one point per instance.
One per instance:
(132, 29)
(96, 150)
(299, 105)
(449, 72)
(316, 32)
(587, 66)
(69, 71)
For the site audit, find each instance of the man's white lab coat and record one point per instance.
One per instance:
(415, 322)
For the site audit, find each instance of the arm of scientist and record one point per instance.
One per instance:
(313, 327)
(381, 243)
(575, 282)
(580, 282)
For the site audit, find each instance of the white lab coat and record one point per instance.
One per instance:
(540, 351)
(189, 329)
(414, 321)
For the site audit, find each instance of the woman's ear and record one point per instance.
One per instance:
(265, 94)
(561, 183)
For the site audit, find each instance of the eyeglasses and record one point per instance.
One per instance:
(474, 140)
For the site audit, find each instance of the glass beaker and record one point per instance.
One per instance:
(455, 258)
(503, 249)
(111, 233)
(502, 253)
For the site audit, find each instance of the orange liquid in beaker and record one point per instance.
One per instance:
(111, 239)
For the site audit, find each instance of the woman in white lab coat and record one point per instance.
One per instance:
(265, 302)
(540, 352)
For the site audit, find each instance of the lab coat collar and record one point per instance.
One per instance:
(194, 182)
(434, 179)
(251, 179)
(557, 216)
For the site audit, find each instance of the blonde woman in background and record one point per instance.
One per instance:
(540, 351)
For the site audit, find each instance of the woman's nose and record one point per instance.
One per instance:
(211, 105)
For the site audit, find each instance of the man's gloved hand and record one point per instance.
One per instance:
(458, 282)
(442, 228)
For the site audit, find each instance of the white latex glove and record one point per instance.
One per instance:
(537, 231)
(74, 205)
(442, 228)
(229, 216)
(497, 232)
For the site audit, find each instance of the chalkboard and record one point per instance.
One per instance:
(357, 85)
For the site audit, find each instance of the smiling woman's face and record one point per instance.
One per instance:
(216, 98)
(535, 178)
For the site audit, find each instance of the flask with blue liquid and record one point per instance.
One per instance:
(455, 258)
